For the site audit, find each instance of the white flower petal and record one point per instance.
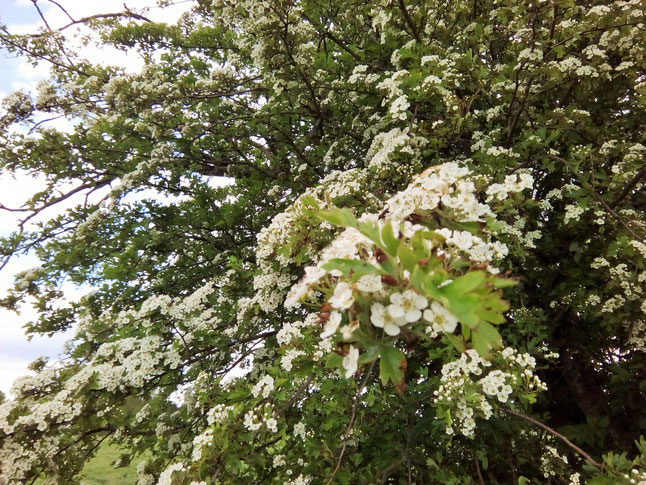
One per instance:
(420, 301)
(409, 295)
(400, 322)
(351, 362)
(377, 311)
(413, 315)
(391, 329)
(313, 274)
(369, 283)
(395, 311)
(330, 328)
(343, 298)
(450, 325)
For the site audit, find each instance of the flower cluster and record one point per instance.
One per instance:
(254, 419)
(512, 184)
(636, 477)
(282, 242)
(552, 463)
(264, 386)
(365, 276)
(219, 413)
(472, 387)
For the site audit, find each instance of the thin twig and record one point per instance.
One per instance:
(94, 186)
(386, 471)
(42, 122)
(407, 453)
(559, 436)
(333, 38)
(295, 397)
(627, 188)
(409, 20)
(127, 14)
(513, 468)
(4, 208)
(588, 187)
(480, 479)
(58, 40)
(42, 16)
(60, 6)
(351, 423)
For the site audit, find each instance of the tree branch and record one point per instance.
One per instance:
(559, 436)
(351, 423)
(588, 187)
(477, 464)
(61, 7)
(126, 14)
(42, 16)
(409, 20)
(295, 397)
(627, 188)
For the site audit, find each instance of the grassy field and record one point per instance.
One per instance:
(99, 471)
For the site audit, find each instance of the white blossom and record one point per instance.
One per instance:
(440, 318)
(331, 325)
(351, 362)
(343, 297)
(369, 283)
(407, 305)
(381, 318)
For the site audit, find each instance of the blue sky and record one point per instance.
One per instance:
(20, 16)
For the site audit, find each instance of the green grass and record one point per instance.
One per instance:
(99, 470)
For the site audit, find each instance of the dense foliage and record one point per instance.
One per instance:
(339, 242)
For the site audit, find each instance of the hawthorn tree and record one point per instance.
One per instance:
(338, 242)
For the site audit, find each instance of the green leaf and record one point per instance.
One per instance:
(483, 459)
(420, 246)
(500, 282)
(391, 366)
(457, 342)
(356, 459)
(465, 283)
(407, 257)
(347, 266)
(484, 338)
(465, 308)
(417, 279)
(371, 354)
(334, 361)
(391, 243)
(338, 217)
(310, 201)
(429, 283)
(472, 227)
(388, 267)
(437, 238)
(371, 231)
(491, 317)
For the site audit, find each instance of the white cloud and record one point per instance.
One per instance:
(10, 370)
(14, 192)
(28, 72)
